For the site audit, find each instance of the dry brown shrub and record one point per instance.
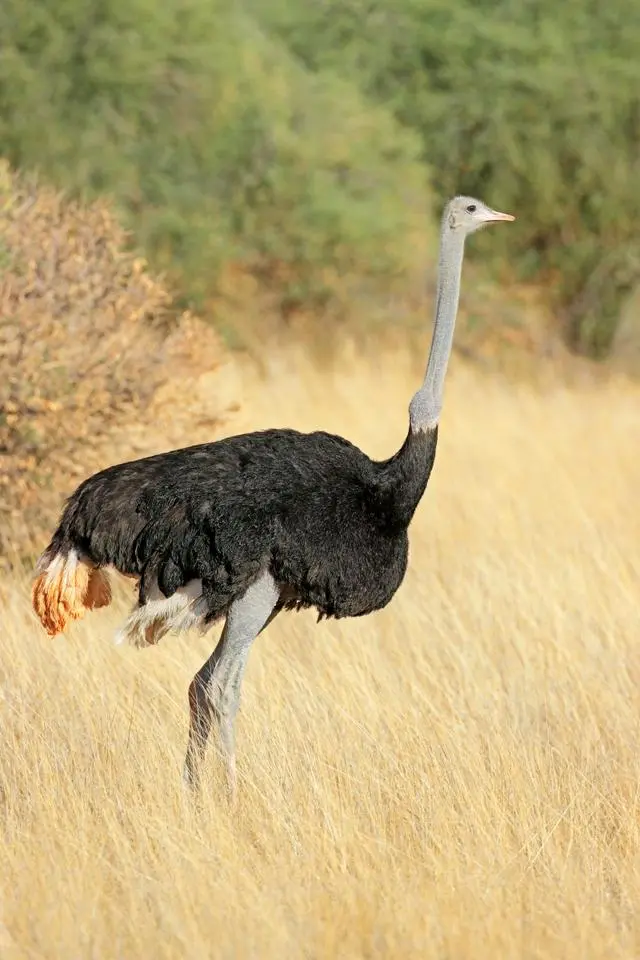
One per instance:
(87, 337)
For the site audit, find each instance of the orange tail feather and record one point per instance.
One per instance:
(66, 589)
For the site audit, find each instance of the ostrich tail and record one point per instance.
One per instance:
(66, 586)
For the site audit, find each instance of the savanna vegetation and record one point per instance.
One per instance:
(88, 342)
(456, 776)
(214, 141)
(535, 105)
(310, 142)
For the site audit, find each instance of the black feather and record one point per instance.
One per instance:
(328, 522)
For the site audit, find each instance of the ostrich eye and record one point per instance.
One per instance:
(471, 208)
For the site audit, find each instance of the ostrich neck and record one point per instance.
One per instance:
(402, 479)
(426, 405)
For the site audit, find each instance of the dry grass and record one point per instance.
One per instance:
(455, 777)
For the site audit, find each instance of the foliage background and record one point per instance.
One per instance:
(299, 140)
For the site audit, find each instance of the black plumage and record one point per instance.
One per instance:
(325, 520)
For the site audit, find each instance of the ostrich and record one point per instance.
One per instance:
(251, 525)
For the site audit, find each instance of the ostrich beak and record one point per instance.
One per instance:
(493, 216)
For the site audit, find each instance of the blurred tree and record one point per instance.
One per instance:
(217, 144)
(531, 104)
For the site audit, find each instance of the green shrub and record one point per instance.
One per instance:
(216, 143)
(533, 106)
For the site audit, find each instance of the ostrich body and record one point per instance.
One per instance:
(250, 525)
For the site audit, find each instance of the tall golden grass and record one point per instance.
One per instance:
(457, 776)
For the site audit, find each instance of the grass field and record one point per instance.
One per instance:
(457, 776)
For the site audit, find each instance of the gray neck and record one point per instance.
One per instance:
(426, 405)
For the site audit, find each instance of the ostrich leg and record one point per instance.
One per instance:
(214, 693)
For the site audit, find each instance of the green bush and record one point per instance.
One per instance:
(216, 143)
(533, 106)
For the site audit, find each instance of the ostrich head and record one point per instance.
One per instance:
(466, 214)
